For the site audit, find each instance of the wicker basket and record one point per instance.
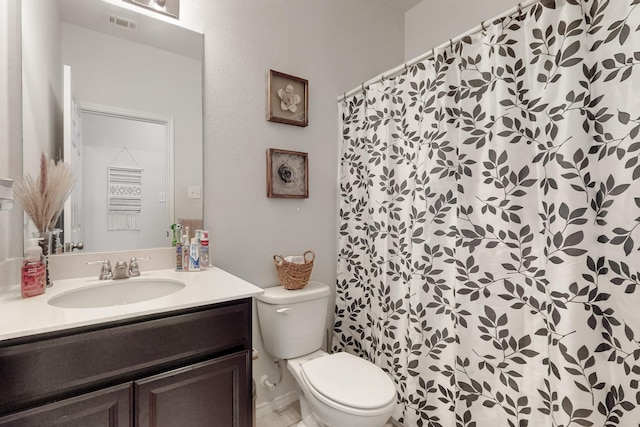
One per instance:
(294, 275)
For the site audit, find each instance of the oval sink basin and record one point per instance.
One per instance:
(126, 291)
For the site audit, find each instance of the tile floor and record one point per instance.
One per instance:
(288, 417)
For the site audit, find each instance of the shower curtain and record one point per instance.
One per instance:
(488, 231)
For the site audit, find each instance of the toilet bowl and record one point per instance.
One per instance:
(335, 390)
(342, 390)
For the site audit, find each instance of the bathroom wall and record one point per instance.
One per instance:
(336, 45)
(432, 22)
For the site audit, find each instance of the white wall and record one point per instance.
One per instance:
(336, 45)
(432, 22)
(165, 84)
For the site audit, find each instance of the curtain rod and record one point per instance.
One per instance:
(520, 8)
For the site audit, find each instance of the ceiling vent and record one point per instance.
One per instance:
(123, 22)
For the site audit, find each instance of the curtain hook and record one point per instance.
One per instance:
(433, 53)
(482, 25)
(520, 11)
(382, 79)
(451, 45)
(363, 87)
(405, 67)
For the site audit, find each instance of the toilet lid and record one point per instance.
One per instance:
(349, 380)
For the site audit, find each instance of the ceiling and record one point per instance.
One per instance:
(152, 30)
(403, 5)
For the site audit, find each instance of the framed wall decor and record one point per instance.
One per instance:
(287, 174)
(287, 99)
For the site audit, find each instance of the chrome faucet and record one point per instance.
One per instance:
(120, 271)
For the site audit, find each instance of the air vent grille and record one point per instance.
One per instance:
(123, 23)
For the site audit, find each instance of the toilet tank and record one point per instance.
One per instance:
(292, 322)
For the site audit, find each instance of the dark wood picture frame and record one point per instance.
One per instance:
(287, 174)
(287, 99)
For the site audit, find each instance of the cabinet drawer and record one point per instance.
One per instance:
(34, 372)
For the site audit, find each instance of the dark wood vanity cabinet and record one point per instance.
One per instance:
(109, 407)
(184, 368)
(205, 394)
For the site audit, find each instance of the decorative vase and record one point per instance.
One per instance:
(45, 244)
(55, 248)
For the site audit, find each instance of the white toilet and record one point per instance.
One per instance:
(335, 390)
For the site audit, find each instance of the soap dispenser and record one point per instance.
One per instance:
(33, 272)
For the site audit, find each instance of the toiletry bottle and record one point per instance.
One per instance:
(204, 250)
(178, 254)
(185, 252)
(194, 255)
(33, 272)
(177, 234)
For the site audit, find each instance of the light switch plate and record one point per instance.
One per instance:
(193, 192)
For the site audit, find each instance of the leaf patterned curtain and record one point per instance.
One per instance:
(489, 213)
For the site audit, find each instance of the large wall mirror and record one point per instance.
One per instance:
(117, 92)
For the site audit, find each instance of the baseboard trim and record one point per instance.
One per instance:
(277, 404)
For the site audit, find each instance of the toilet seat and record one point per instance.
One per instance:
(349, 383)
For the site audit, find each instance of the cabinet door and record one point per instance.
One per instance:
(110, 407)
(215, 393)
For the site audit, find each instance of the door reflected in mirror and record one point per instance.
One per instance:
(131, 198)
(154, 73)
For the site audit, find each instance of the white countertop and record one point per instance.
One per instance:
(21, 317)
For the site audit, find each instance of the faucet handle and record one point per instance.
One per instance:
(134, 268)
(105, 273)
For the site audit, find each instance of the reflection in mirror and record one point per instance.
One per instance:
(127, 68)
(129, 147)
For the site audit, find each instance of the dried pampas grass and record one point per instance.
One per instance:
(43, 198)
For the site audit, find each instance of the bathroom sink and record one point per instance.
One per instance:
(114, 293)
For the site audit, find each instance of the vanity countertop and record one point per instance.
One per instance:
(22, 317)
